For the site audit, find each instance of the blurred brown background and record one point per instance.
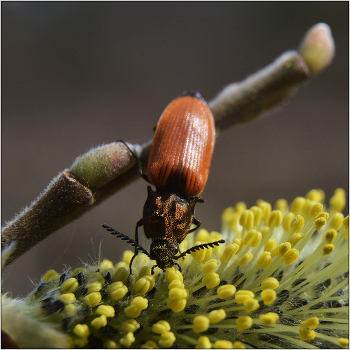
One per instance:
(79, 74)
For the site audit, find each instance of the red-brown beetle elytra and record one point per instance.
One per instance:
(178, 165)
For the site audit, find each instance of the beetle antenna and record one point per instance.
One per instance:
(125, 238)
(198, 247)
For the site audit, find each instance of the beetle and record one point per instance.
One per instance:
(178, 166)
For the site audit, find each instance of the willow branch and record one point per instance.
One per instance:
(104, 170)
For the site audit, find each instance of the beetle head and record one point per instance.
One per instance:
(163, 252)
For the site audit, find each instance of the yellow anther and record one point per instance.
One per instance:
(250, 235)
(176, 305)
(297, 206)
(176, 284)
(111, 344)
(226, 291)
(244, 322)
(121, 274)
(257, 239)
(200, 324)
(106, 310)
(287, 222)
(99, 322)
(270, 283)
(172, 274)
(69, 310)
(202, 235)
(106, 264)
(338, 200)
(310, 323)
(306, 334)
(266, 209)
(144, 284)
(240, 207)
(150, 344)
(167, 340)
(238, 345)
(270, 244)
(214, 236)
(210, 266)
(211, 280)
(330, 235)
(229, 251)
(94, 287)
(275, 251)
(227, 215)
(68, 298)
(140, 302)
(295, 238)
(337, 221)
(291, 256)
(127, 256)
(346, 222)
(316, 209)
(308, 207)
(327, 249)
(269, 318)
(245, 259)
(284, 247)
(92, 299)
(129, 325)
(216, 316)
(269, 296)
(257, 215)
(161, 327)
(203, 343)
(238, 241)
(127, 340)
(223, 344)
(50, 275)
(137, 306)
(281, 205)
(117, 290)
(264, 260)
(274, 219)
(178, 293)
(297, 223)
(247, 219)
(242, 295)
(81, 330)
(251, 304)
(343, 342)
(70, 286)
(316, 195)
(320, 222)
(323, 214)
(145, 270)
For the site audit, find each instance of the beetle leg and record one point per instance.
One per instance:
(178, 266)
(195, 222)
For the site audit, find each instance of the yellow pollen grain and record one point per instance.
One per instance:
(327, 249)
(94, 287)
(211, 280)
(127, 340)
(291, 256)
(269, 318)
(337, 221)
(172, 274)
(70, 286)
(161, 327)
(50, 275)
(81, 330)
(242, 295)
(92, 299)
(310, 323)
(223, 344)
(68, 298)
(330, 235)
(176, 305)
(244, 322)
(316, 209)
(202, 236)
(257, 215)
(247, 219)
(238, 345)
(270, 283)
(320, 222)
(264, 260)
(306, 334)
(287, 222)
(282, 206)
(274, 219)
(216, 316)
(270, 244)
(210, 265)
(297, 223)
(200, 324)
(130, 325)
(245, 259)
(203, 343)
(127, 256)
(150, 344)
(226, 291)
(99, 322)
(338, 200)
(167, 340)
(106, 264)
(269, 296)
(106, 310)
(343, 342)
(251, 304)
(298, 204)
